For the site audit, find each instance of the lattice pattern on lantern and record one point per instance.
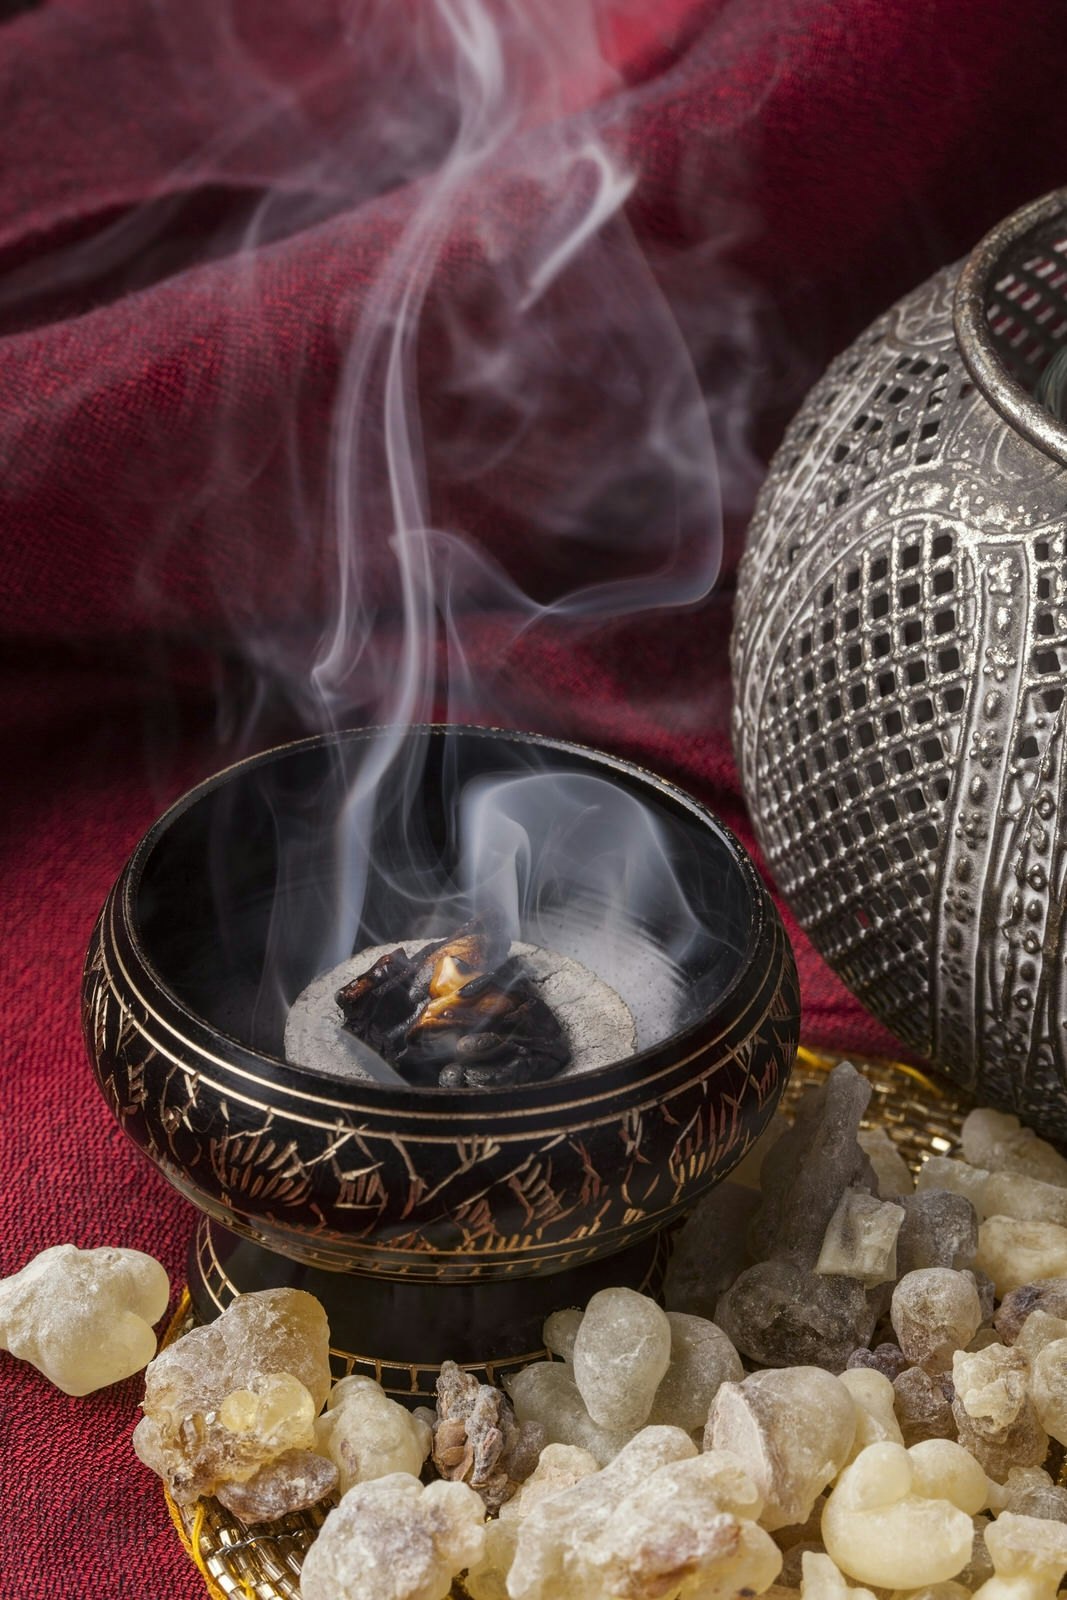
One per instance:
(900, 664)
(860, 724)
(1028, 317)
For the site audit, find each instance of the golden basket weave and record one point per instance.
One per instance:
(921, 1116)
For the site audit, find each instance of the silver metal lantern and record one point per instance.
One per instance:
(900, 662)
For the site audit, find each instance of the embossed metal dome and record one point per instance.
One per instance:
(900, 662)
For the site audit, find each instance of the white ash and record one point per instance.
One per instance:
(598, 1024)
(646, 977)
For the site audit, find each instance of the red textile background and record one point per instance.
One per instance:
(154, 388)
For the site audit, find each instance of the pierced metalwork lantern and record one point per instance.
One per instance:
(900, 664)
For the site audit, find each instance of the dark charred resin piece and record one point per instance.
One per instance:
(477, 1439)
(459, 1013)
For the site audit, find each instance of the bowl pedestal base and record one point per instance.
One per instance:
(399, 1330)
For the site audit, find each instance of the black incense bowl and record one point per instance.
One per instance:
(432, 1222)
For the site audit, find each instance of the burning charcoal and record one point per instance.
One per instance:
(458, 1013)
(383, 1005)
(476, 1439)
(377, 1007)
(595, 1021)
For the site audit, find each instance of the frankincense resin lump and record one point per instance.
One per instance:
(621, 1351)
(228, 1400)
(560, 1467)
(995, 1414)
(997, 1141)
(885, 1525)
(1014, 1253)
(546, 1394)
(366, 1435)
(702, 1360)
(792, 1429)
(660, 1521)
(295, 1479)
(935, 1312)
(787, 1308)
(875, 1401)
(393, 1539)
(84, 1317)
(1029, 1558)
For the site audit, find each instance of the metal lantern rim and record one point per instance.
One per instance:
(975, 338)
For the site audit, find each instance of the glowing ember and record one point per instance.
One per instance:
(460, 1013)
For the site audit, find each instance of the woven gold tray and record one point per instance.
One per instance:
(921, 1116)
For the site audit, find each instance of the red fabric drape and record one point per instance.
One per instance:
(171, 344)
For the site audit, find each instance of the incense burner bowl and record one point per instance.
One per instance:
(433, 1222)
(900, 669)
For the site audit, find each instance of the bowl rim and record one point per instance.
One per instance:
(580, 1085)
(975, 340)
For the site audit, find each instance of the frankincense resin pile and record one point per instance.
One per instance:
(854, 1391)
